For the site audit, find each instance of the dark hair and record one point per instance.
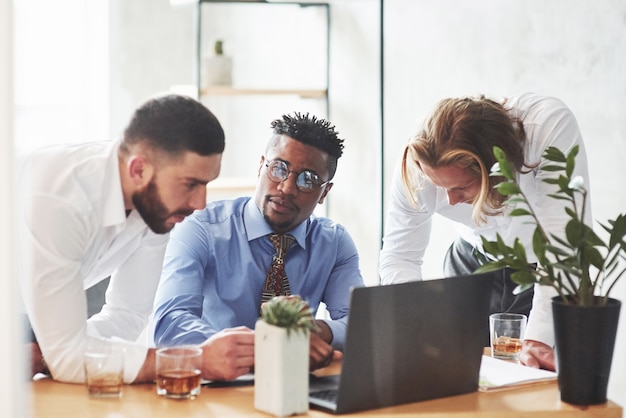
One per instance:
(463, 132)
(310, 130)
(175, 124)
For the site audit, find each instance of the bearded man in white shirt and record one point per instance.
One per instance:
(93, 210)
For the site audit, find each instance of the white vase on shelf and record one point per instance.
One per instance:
(218, 67)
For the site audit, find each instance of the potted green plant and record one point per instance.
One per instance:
(281, 357)
(578, 263)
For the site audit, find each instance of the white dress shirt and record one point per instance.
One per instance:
(73, 233)
(547, 122)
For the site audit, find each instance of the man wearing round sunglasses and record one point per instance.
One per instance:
(215, 273)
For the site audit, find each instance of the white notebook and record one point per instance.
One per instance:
(498, 374)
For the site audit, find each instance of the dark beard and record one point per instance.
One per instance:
(276, 226)
(151, 208)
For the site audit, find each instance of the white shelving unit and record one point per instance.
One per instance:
(280, 52)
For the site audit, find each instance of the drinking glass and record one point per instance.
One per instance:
(104, 370)
(178, 372)
(507, 333)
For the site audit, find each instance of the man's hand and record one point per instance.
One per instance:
(538, 355)
(321, 353)
(36, 359)
(228, 354)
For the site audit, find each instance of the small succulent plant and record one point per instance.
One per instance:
(291, 313)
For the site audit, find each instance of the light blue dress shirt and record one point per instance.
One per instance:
(215, 267)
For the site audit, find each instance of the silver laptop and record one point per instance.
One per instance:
(408, 342)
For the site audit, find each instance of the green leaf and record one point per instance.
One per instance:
(552, 168)
(491, 247)
(579, 233)
(594, 257)
(575, 233)
(489, 267)
(505, 167)
(591, 237)
(551, 181)
(617, 230)
(569, 268)
(554, 154)
(559, 197)
(549, 281)
(520, 212)
(523, 277)
(520, 251)
(563, 183)
(514, 200)
(558, 251)
(539, 245)
(507, 189)
(571, 161)
(559, 240)
(522, 288)
(501, 243)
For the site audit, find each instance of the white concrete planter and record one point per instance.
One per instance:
(219, 71)
(281, 370)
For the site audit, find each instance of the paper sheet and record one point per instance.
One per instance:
(498, 374)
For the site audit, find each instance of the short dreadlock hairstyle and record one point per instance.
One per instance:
(310, 130)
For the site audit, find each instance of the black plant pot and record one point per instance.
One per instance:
(585, 337)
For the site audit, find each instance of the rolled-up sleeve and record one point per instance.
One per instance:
(179, 301)
(344, 276)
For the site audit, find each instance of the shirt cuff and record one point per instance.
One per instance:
(134, 358)
(338, 329)
(540, 325)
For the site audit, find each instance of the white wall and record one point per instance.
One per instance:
(151, 48)
(572, 50)
(61, 79)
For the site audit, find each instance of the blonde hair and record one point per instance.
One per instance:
(463, 132)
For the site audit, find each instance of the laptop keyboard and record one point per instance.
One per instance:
(328, 395)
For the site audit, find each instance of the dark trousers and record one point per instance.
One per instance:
(462, 258)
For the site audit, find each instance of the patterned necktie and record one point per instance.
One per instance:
(276, 282)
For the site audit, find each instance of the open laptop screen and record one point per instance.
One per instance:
(411, 341)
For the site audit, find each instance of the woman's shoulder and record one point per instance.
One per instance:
(533, 105)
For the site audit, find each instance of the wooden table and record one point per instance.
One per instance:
(53, 399)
